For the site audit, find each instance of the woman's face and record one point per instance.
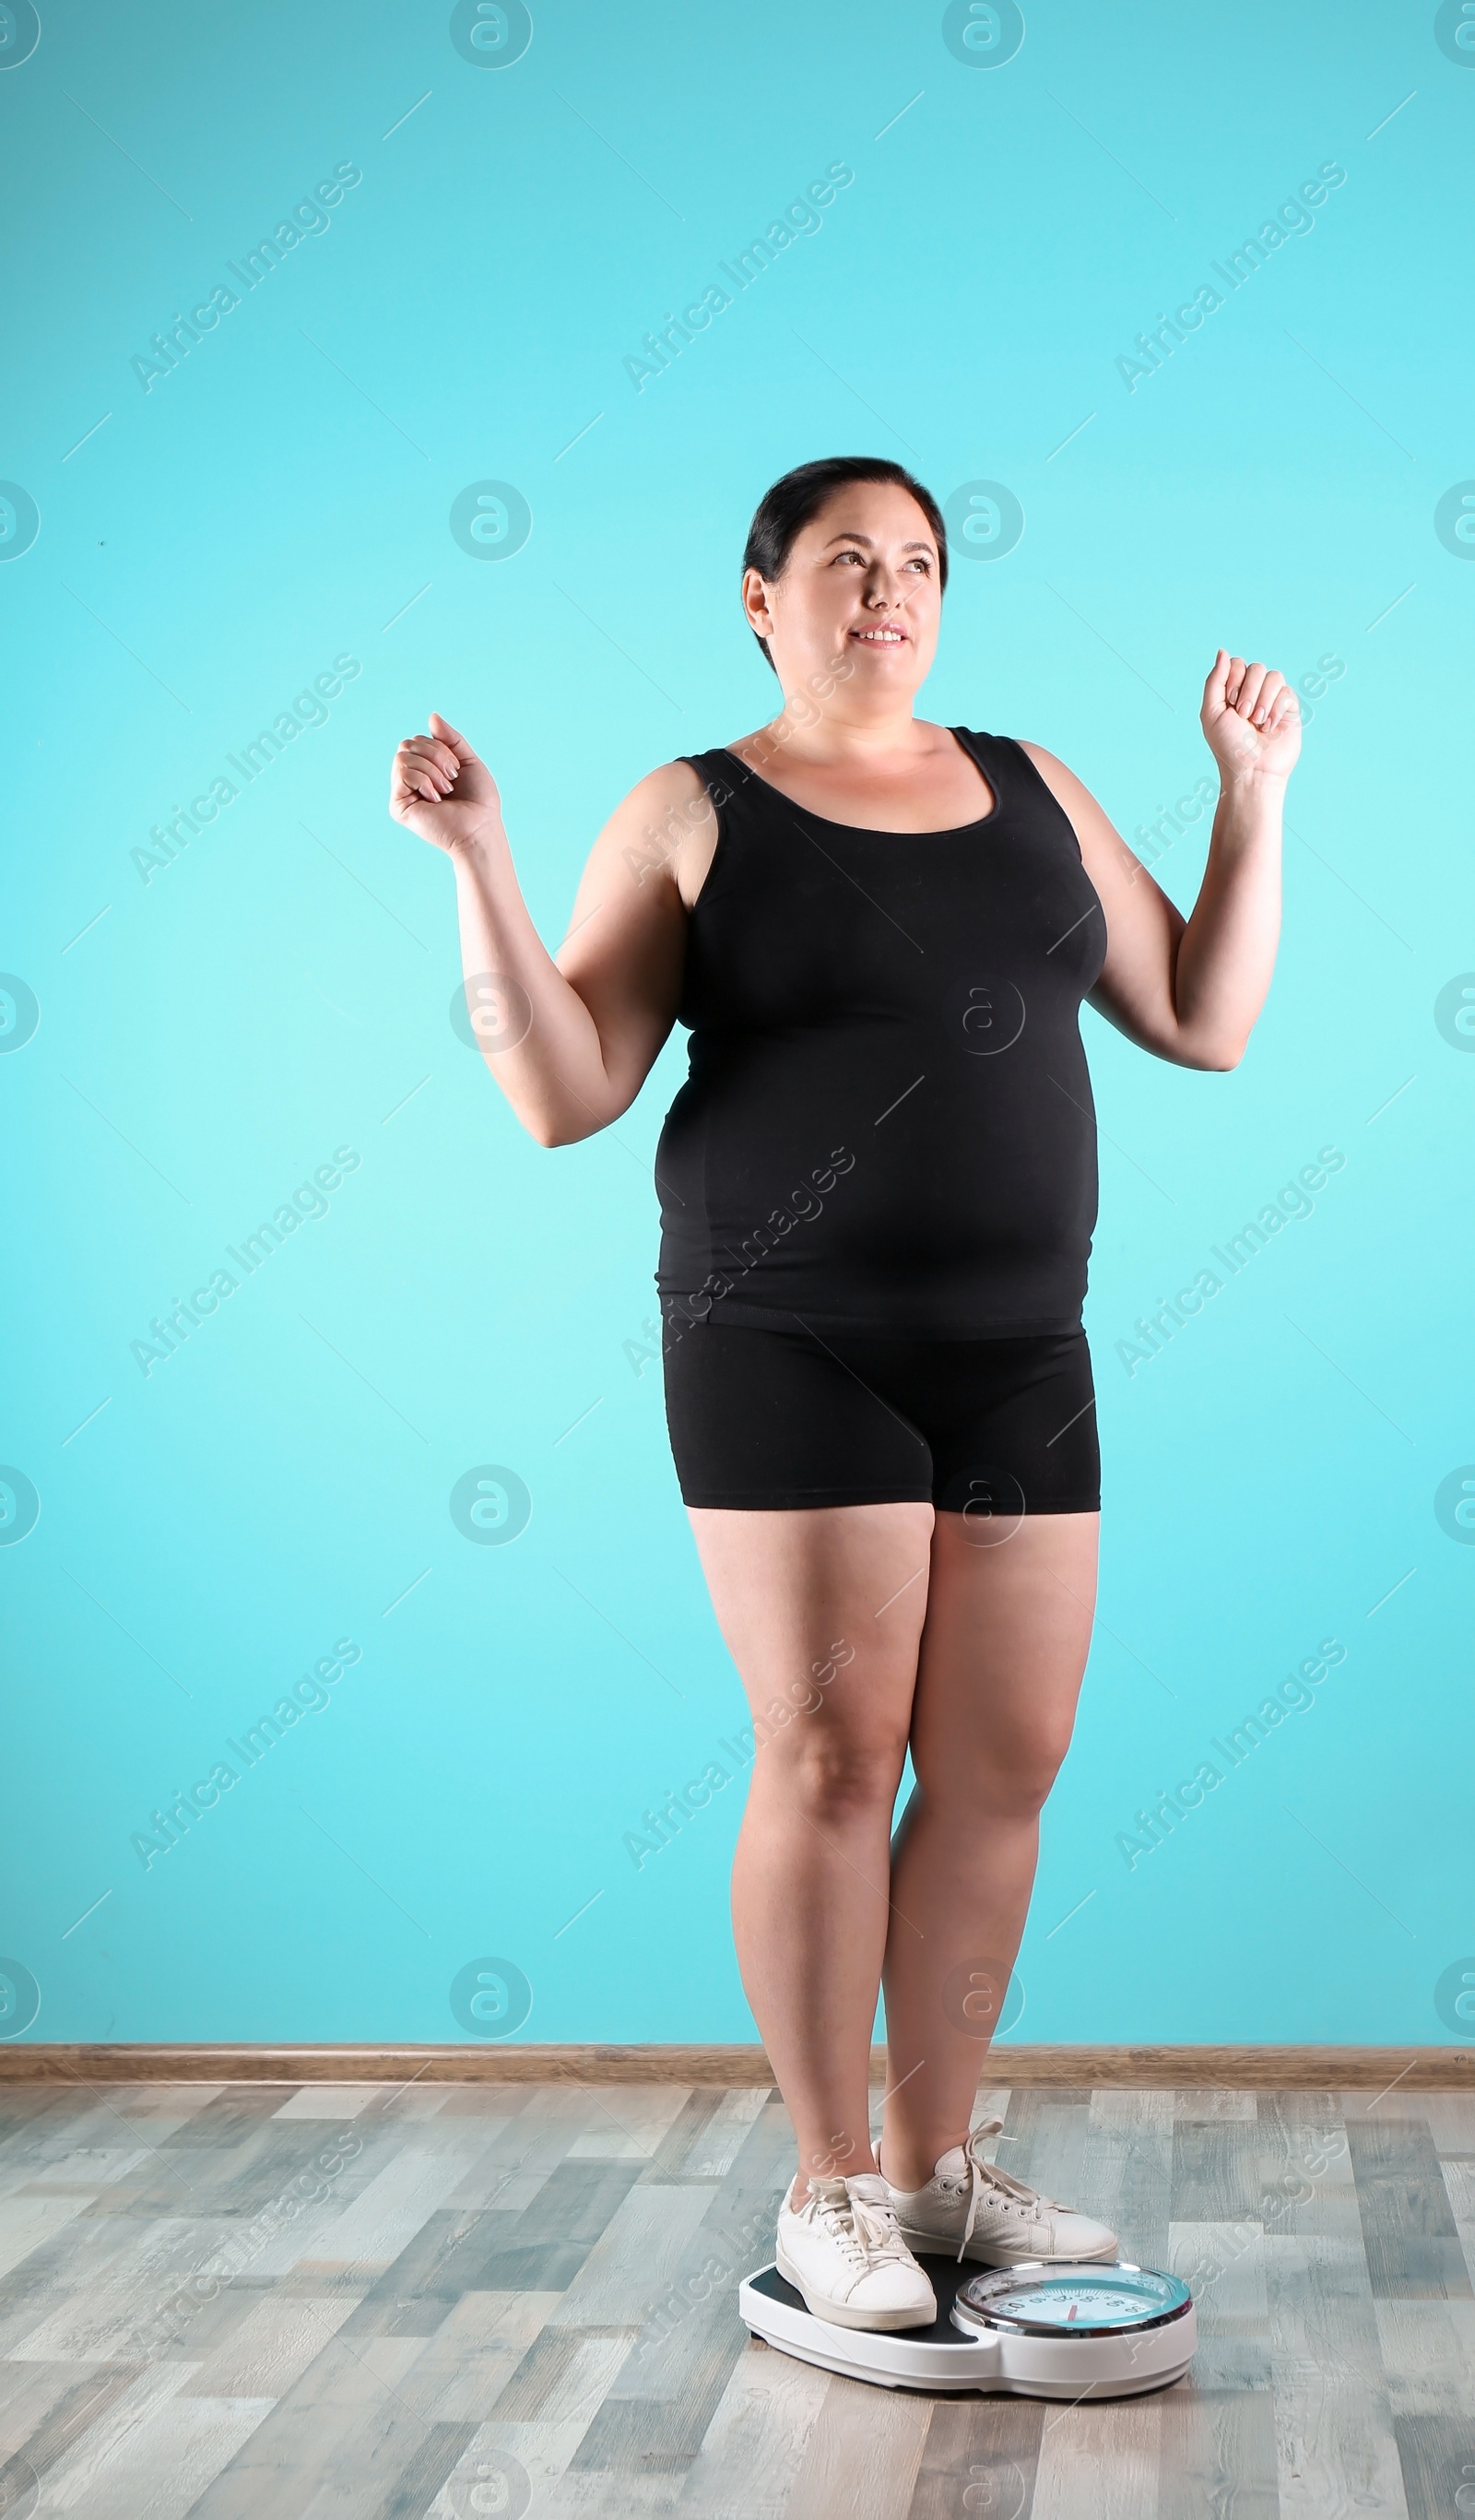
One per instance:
(861, 583)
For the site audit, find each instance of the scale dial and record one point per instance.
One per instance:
(1036, 2299)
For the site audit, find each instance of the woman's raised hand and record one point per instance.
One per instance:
(1251, 718)
(440, 789)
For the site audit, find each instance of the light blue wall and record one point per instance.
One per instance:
(212, 1031)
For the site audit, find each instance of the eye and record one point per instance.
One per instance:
(851, 555)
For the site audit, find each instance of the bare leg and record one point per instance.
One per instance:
(838, 1591)
(1002, 1657)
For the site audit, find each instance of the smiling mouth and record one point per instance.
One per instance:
(890, 637)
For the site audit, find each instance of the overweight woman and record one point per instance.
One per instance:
(877, 1186)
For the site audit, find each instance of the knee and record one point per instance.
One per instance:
(1001, 1782)
(835, 1776)
(1020, 1792)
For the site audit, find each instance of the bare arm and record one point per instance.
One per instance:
(570, 1039)
(1190, 989)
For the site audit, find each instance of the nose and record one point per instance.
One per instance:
(888, 581)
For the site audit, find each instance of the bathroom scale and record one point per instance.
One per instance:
(1098, 2328)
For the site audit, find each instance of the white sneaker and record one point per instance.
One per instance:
(843, 2251)
(974, 2207)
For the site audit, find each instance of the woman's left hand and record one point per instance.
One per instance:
(1251, 719)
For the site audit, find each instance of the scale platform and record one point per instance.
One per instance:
(1102, 2328)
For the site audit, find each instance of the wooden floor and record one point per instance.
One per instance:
(301, 2301)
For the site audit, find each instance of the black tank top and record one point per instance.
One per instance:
(887, 1122)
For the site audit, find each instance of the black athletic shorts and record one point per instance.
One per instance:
(787, 1417)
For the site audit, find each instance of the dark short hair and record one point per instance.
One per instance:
(787, 509)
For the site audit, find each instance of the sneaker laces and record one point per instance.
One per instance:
(865, 2229)
(985, 2178)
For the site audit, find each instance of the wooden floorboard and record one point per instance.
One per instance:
(523, 2297)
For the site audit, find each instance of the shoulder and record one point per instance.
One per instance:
(664, 807)
(675, 784)
(1103, 852)
(662, 833)
(1057, 777)
(1070, 794)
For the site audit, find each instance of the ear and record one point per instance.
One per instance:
(755, 604)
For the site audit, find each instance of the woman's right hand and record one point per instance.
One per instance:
(440, 789)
